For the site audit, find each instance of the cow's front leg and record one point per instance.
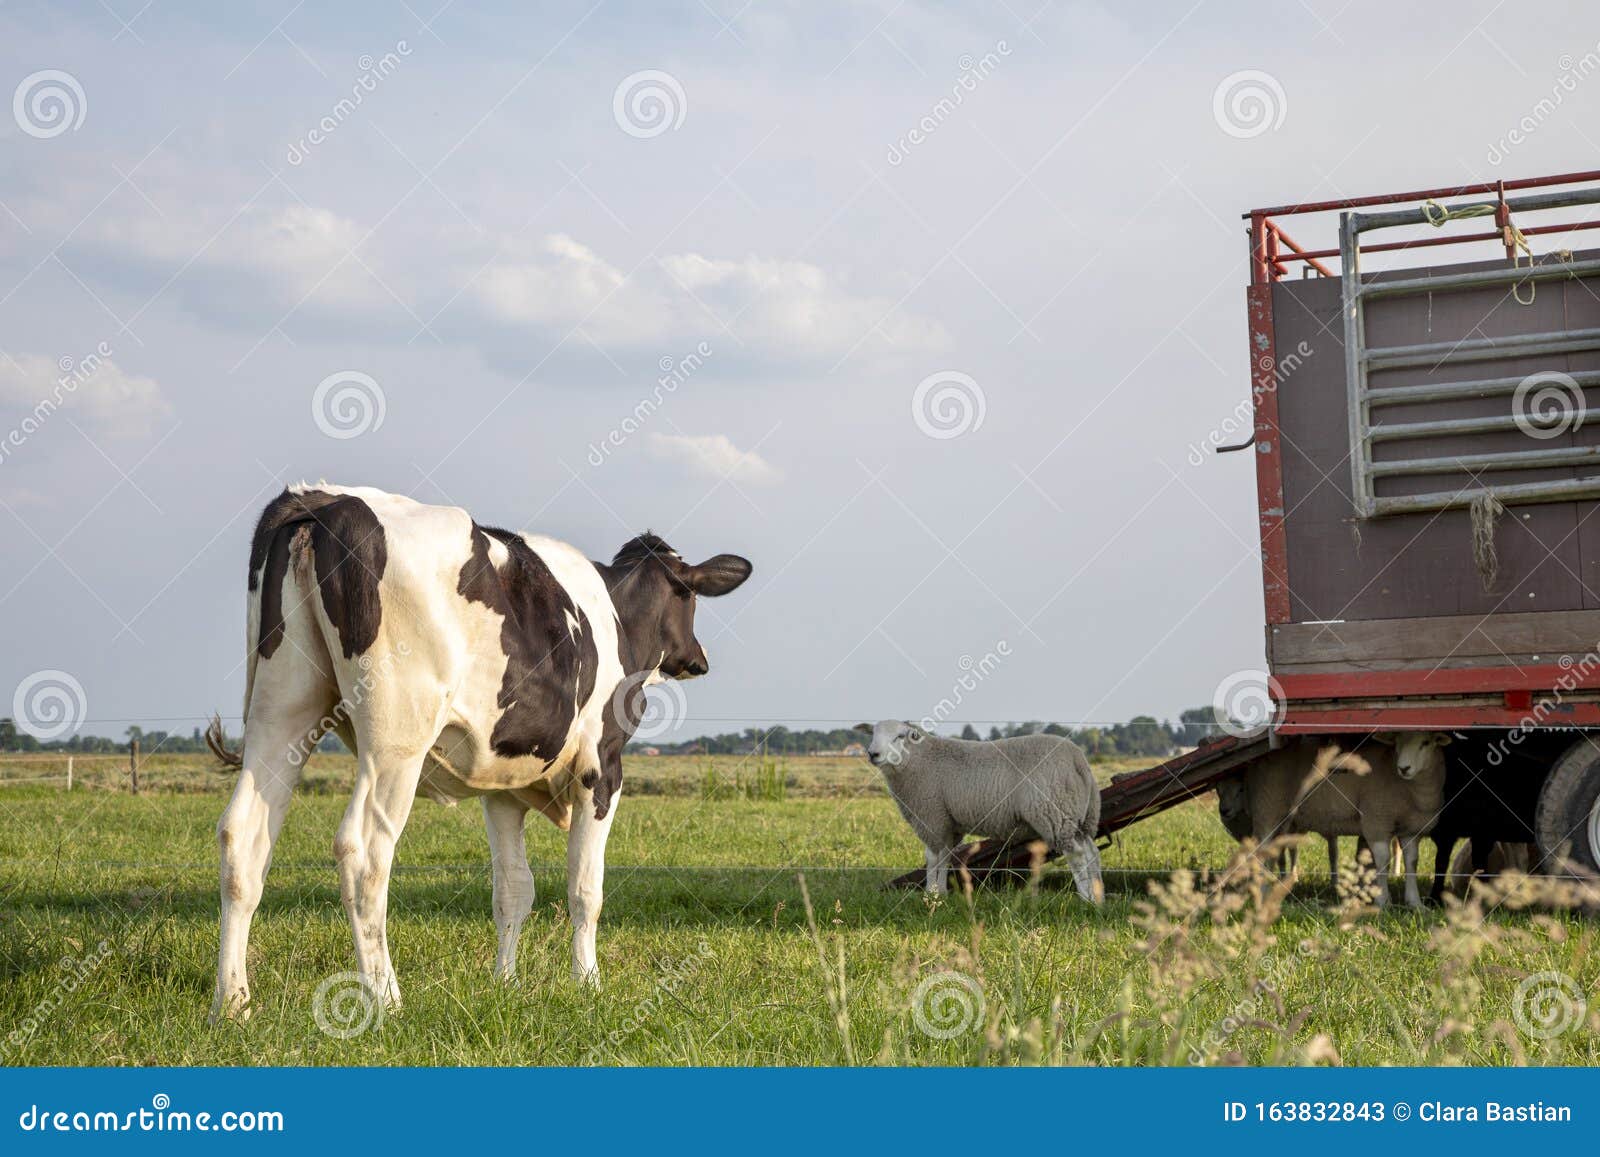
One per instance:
(386, 787)
(586, 872)
(504, 814)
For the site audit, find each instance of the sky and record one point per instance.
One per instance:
(923, 308)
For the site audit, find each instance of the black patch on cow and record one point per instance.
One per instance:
(549, 672)
(350, 553)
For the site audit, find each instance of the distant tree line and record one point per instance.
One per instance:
(1141, 735)
(13, 738)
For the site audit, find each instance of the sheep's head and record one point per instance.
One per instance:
(1417, 751)
(891, 738)
(1232, 799)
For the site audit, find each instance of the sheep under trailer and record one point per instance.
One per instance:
(1427, 480)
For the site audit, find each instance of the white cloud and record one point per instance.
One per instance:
(797, 306)
(565, 284)
(714, 456)
(791, 307)
(96, 389)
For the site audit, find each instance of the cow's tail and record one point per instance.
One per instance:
(217, 741)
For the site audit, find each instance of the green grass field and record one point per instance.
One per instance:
(108, 906)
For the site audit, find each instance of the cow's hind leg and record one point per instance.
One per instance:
(281, 734)
(386, 787)
(504, 814)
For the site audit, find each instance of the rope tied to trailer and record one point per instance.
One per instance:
(1486, 510)
(1437, 215)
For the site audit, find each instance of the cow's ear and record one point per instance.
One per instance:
(718, 575)
(864, 728)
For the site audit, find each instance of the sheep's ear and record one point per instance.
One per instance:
(1387, 738)
(1442, 738)
(916, 733)
(864, 728)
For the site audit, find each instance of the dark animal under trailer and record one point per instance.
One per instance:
(1429, 557)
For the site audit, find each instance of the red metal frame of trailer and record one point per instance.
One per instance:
(1497, 696)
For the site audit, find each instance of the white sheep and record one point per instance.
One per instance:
(1381, 788)
(1024, 788)
(1233, 807)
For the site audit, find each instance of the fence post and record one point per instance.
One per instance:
(133, 764)
(69, 773)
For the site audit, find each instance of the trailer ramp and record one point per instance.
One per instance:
(1128, 799)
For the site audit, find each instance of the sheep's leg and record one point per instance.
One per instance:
(1378, 845)
(1409, 847)
(938, 861)
(1085, 860)
(1333, 861)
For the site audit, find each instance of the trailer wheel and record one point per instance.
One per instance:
(1567, 819)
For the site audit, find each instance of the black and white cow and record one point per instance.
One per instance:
(455, 660)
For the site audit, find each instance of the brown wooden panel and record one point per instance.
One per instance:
(1454, 640)
(1421, 565)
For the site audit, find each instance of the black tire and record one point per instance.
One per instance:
(1567, 819)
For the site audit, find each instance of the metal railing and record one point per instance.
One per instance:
(1361, 359)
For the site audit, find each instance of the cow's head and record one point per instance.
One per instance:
(654, 591)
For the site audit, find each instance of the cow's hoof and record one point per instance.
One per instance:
(236, 1010)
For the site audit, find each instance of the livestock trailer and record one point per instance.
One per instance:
(1427, 479)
